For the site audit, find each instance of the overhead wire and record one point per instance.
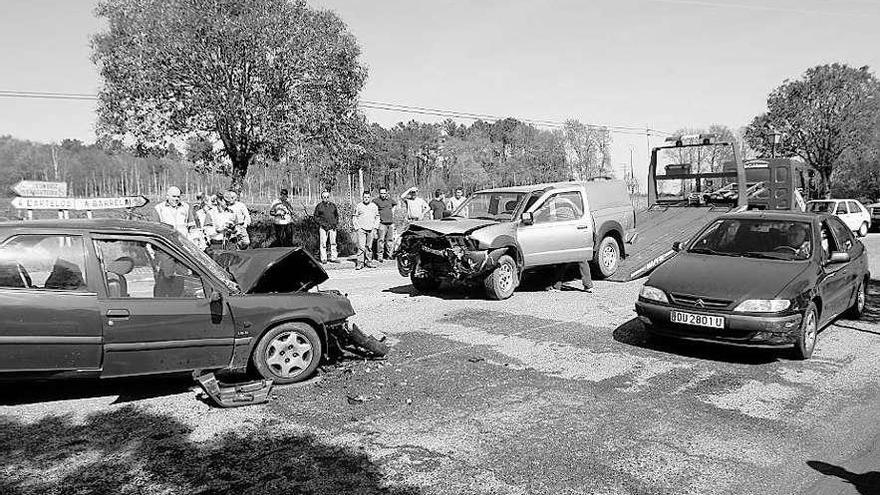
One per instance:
(379, 105)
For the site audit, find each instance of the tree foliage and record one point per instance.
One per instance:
(264, 78)
(832, 110)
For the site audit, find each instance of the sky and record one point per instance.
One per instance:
(665, 64)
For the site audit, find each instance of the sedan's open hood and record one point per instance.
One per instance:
(452, 225)
(261, 271)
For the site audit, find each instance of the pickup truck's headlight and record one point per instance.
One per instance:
(763, 306)
(653, 294)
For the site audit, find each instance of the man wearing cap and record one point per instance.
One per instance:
(175, 212)
(282, 214)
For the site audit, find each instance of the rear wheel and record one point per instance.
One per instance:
(288, 353)
(807, 334)
(858, 308)
(607, 256)
(501, 283)
(863, 229)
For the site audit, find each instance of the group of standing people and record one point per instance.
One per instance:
(221, 221)
(215, 221)
(373, 219)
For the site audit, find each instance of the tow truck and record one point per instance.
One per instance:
(682, 197)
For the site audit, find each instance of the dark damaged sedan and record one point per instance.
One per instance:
(120, 298)
(759, 279)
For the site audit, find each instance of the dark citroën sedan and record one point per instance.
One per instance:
(120, 298)
(759, 279)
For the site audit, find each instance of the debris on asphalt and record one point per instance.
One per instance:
(476, 359)
(235, 394)
(360, 399)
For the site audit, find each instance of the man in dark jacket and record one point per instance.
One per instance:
(437, 205)
(327, 217)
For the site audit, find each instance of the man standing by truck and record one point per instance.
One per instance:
(416, 207)
(385, 244)
(365, 220)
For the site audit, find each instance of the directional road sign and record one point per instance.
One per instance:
(78, 203)
(40, 189)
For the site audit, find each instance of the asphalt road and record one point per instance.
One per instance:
(547, 392)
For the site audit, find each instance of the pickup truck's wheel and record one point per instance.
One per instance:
(863, 229)
(607, 257)
(501, 283)
(807, 334)
(425, 284)
(288, 353)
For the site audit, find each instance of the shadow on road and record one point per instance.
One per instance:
(866, 483)
(132, 451)
(128, 389)
(633, 333)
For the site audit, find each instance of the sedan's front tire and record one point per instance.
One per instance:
(863, 229)
(858, 308)
(808, 333)
(288, 353)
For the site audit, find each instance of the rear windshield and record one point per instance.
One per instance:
(756, 238)
(821, 206)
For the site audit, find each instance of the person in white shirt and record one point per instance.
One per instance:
(415, 207)
(175, 212)
(242, 218)
(225, 226)
(365, 221)
(456, 200)
(282, 215)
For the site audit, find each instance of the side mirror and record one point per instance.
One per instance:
(676, 246)
(527, 218)
(838, 257)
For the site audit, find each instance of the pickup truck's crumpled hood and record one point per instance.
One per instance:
(260, 271)
(723, 277)
(451, 225)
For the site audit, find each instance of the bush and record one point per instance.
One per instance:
(304, 232)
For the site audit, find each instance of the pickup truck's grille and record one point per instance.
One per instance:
(875, 211)
(699, 302)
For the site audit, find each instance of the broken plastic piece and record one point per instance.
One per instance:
(237, 394)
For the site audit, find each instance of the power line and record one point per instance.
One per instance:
(375, 105)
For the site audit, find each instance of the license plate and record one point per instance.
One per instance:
(696, 319)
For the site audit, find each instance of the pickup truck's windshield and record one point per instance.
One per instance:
(758, 238)
(490, 205)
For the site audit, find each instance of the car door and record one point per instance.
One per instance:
(833, 281)
(49, 320)
(561, 231)
(850, 272)
(858, 215)
(157, 310)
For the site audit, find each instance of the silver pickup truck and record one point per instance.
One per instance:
(498, 233)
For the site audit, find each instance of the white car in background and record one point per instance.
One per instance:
(853, 213)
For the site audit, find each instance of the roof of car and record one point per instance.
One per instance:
(777, 215)
(98, 224)
(545, 185)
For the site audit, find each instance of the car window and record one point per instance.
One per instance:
(142, 269)
(853, 207)
(54, 262)
(842, 234)
(561, 207)
(820, 206)
(757, 238)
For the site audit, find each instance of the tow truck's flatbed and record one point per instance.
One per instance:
(656, 229)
